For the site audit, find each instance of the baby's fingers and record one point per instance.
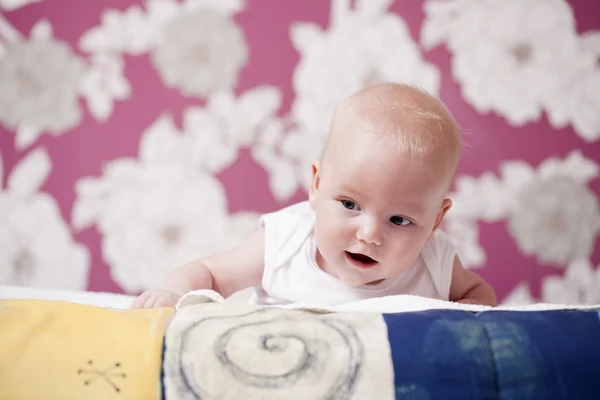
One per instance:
(140, 301)
(166, 301)
(151, 300)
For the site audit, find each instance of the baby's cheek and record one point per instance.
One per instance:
(327, 238)
(338, 234)
(409, 258)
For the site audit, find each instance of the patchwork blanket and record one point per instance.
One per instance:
(209, 348)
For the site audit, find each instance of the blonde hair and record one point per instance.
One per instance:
(410, 119)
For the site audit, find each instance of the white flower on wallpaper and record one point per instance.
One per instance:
(10, 5)
(362, 45)
(550, 211)
(195, 45)
(558, 220)
(578, 285)
(519, 296)
(464, 234)
(200, 52)
(103, 83)
(42, 80)
(575, 100)
(156, 212)
(518, 58)
(36, 246)
(215, 133)
(267, 152)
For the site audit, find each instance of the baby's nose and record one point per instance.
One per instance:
(369, 232)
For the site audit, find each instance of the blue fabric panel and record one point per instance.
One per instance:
(545, 355)
(441, 355)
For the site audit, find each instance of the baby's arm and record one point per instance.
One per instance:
(468, 287)
(225, 272)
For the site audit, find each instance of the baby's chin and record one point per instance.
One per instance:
(357, 280)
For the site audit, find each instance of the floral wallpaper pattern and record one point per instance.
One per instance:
(135, 135)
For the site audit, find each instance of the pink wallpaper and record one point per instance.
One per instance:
(134, 135)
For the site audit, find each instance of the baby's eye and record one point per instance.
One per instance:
(396, 220)
(350, 205)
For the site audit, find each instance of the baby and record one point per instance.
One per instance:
(370, 226)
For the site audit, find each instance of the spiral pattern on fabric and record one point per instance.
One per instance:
(262, 353)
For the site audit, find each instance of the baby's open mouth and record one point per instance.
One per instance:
(361, 258)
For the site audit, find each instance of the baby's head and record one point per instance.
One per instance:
(379, 191)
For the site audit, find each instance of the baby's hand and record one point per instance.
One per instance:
(156, 298)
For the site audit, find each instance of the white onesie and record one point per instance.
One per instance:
(291, 273)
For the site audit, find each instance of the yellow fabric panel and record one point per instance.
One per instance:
(67, 351)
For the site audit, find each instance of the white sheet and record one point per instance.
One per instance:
(389, 304)
(99, 299)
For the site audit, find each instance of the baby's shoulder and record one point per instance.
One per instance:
(286, 233)
(289, 218)
(296, 212)
(300, 209)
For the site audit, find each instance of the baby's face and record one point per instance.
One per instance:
(375, 209)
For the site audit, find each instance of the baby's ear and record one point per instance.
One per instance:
(314, 184)
(446, 205)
